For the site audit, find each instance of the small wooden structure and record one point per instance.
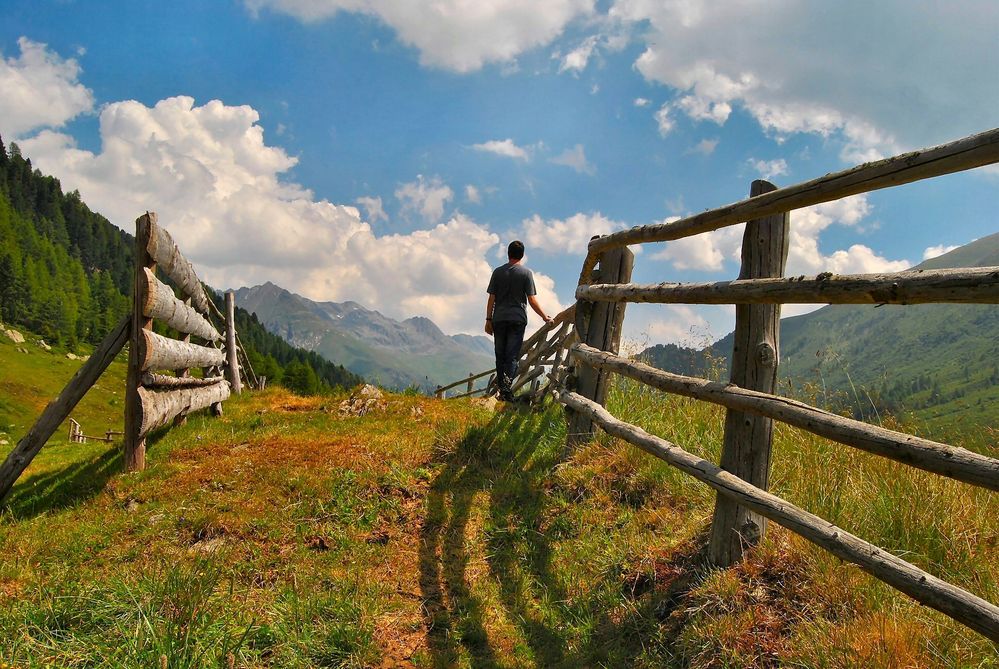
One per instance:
(76, 435)
(743, 503)
(153, 400)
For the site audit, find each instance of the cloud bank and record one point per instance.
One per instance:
(217, 186)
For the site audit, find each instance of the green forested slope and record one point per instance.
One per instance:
(937, 363)
(65, 274)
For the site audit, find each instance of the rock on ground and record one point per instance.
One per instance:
(363, 400)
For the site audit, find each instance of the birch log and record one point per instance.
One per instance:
(58, 409)
(168, 257)
(961, 286)
(964, 154)
(162, 381)
(951, 461)
(161, 304)
(962, 606)
(159, 352)
(159, 407)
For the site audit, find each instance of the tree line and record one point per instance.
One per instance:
(66, 275)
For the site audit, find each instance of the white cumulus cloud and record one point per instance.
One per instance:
(937, 251)
(577, 59)
(373, 205)
(664, 122)
(39, 89)
(216, 185)
(472, 194)
(768, 169)
(428, 198)
(705, 147)
(829, 72)
(456, 35)
(504, 147)
(576, 159)
(569, 235)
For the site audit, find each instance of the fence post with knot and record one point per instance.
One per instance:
(598, 324)
(748, 437)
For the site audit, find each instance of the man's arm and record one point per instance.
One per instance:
(533, 301)
(490, 305)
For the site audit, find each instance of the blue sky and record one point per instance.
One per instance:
(386, 151)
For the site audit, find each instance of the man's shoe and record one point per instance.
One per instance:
(506, 396)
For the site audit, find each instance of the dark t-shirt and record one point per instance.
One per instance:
(511, 284)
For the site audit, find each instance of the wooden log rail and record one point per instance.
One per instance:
(162, 381)
(159, 352)
(955, 286)
(472, 378)
(161, 304)
(160, 407)
(964, 154)
(164, 253)
(951, 461)
(962, 606)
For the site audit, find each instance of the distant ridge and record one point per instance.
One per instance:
(394, 353)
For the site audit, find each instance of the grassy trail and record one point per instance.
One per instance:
(443, 534)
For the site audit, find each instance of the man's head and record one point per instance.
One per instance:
(515, 251)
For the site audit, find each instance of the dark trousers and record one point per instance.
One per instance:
(508, 337)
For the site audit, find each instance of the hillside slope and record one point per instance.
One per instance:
(431, 533)
(66, 274)
(939, 362)
(394, 353)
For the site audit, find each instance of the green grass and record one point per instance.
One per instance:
(443, 534)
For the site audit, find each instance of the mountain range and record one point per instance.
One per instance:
(395, 354)
(937, 362)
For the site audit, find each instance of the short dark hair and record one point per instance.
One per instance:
(515, 251)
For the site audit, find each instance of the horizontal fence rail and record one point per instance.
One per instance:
(973, 611)
(964, 154)
(956, 463)
(162, 305)
(956, 286)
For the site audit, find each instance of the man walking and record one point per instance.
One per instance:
(511, 289)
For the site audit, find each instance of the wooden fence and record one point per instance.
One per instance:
(152, 399)
(545, 349)
(743, 504)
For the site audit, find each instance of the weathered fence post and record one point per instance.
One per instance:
(135, 443)
(232, 359)
(598, 325)
(471, 376)
(748, 437)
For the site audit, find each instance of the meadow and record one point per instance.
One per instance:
(444, 533)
